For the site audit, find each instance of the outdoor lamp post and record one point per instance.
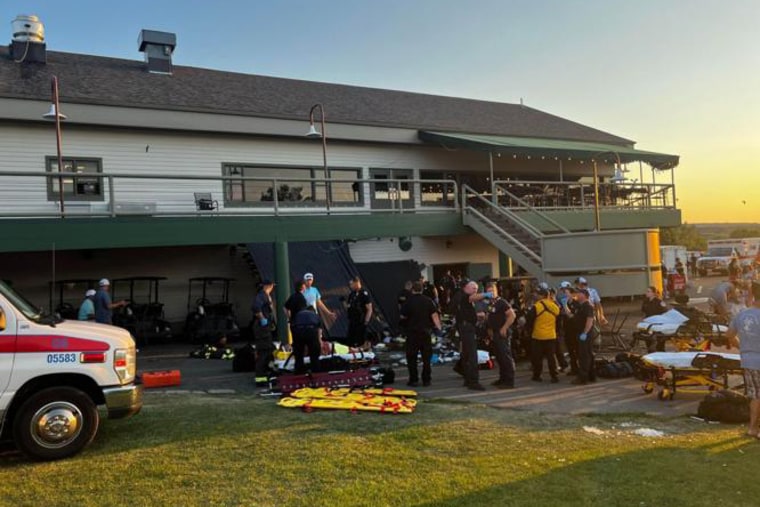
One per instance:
(313, 132)
(55, 114)
(597, 218)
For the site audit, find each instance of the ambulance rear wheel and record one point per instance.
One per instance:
(55, 423)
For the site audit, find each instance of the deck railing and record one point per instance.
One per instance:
(35, 194)
(576, 195)
(25, 194)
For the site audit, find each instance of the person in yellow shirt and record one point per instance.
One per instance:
(543, 341)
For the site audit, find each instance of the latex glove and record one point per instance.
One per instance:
(486, 295)
(439, 333)
(582, 337)
(263, 321)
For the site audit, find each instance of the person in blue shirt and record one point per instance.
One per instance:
(103, 305)
(313, 297)
(87, 308)
(744, 332)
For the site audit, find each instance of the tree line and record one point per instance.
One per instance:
(689, 236)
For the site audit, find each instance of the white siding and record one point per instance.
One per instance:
(24, 148)
(149, 152)
(430, 251)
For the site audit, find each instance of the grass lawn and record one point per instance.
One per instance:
(232, 450)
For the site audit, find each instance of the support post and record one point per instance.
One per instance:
(597, 218)
(503, 265)
(493, 187)
(283, 287)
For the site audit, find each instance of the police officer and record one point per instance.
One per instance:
(419, 315)
(500, 318)
(307, 334)
(359, 313)
(264, 326)
(466, 319)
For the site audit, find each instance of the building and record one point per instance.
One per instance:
(172, 170)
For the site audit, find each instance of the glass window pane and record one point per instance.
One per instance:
(345, 191)
(78, 186)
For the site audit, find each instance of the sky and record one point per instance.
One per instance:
(676, 76)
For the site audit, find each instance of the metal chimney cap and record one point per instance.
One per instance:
(153, 37)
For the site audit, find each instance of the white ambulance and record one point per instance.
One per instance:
(55, 373)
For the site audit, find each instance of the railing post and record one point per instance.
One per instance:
(583, 197)
(111, 193)
(400, 194)
(275, 197)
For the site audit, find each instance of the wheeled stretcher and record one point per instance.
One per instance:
(693, 332)
(689, 372)
(354, 359)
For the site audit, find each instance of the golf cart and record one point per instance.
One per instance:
(67, 295)
(144, 314)
(210, 314)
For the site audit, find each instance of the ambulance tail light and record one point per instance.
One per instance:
(125, 364)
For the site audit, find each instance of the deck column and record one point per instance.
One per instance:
(283, 288)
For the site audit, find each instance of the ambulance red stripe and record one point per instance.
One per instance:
(47, 343)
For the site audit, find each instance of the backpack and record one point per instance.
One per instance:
(245, 359)
(724, 406)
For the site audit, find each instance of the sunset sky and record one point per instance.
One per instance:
(678, 76)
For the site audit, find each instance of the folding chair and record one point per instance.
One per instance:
(616, 335)
(204, 202)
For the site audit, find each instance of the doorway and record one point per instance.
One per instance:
(394, 194)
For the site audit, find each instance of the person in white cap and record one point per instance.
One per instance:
(87, 308)
(103, 305)
(313, 297)
(594, 299)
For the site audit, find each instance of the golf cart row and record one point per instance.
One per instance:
(210, 314)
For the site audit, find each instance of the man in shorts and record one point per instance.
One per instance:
(744, 332)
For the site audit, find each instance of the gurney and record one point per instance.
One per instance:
(358, 359)
(693, 332)
(392, 401)
(688, 372)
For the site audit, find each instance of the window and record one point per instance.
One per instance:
(295, 186)
(437, 193)
(80, 181)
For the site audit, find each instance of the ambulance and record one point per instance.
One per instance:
(55, 373)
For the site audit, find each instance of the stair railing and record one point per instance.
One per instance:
(468, 193)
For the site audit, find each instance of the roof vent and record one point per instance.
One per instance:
(158, 48)
(28, 44)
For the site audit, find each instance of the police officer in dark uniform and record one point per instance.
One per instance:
(652, 304)
(568, 306)
(359, 313)
(419, 316)
(264, 327)
(499, 320)
(466, 319)
(307, 334)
